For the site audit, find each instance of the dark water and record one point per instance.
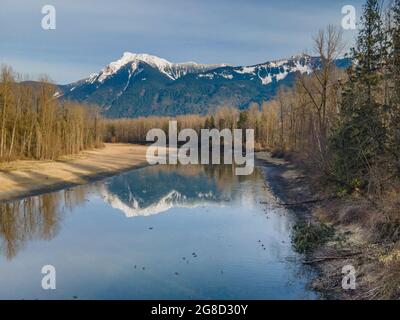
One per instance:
(154, 233)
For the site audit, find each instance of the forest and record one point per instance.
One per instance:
(35, 125)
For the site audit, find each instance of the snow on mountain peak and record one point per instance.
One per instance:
(132, 58)
(266, 72)
(278, 70)
(171, 70)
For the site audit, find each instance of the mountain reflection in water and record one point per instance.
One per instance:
(158, 189)
(160, 232)
(141, 192)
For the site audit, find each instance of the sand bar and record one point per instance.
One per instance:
(24, 178)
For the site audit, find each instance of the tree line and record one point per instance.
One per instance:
(36, 125)
(134, 130)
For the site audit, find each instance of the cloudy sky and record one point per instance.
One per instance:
(91, 33)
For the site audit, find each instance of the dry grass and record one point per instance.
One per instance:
(388, 275)
(372, 224)
(322, 214)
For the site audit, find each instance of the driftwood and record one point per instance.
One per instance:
(302, 202)
(322, 259)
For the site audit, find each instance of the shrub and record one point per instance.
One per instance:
(307, 237)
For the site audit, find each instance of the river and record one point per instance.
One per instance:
(160, 232)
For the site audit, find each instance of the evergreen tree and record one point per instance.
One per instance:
(243, 120)
(360, 135)
(209, 123)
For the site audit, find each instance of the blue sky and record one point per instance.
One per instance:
(92, 33)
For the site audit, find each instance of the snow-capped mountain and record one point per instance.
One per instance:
(153, 190)
(173, 199)
(142, 85)
(266, 73)
(171, 70)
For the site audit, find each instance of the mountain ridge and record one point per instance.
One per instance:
(145, 85)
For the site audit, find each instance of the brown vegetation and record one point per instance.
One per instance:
(35, 125)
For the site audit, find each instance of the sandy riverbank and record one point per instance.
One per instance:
(23, 178)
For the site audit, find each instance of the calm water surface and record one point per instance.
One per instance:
(154, 233)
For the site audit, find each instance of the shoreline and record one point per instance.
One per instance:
(350, 246)
(289, 183)
(26, 178)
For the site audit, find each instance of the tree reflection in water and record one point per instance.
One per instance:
(142, 190)
(35, 218)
